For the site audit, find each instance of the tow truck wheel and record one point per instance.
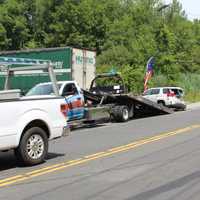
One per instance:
(33, 147)
(121, 113)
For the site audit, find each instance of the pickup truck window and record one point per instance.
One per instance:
(43, 89)
(70, 89)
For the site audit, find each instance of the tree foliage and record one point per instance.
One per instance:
(125, 33)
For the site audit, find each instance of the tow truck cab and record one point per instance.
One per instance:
(68, 89)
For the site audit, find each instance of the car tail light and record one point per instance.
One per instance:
(170, 94)
(64, 109)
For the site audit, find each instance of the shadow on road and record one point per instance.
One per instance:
(54, 155)
(9, 161)
(87, 126)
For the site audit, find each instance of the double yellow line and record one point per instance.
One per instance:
(85, 159)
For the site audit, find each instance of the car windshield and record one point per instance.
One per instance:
(45, 89)
(148, 92)
(152, 92)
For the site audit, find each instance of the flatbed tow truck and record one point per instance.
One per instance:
(109, 90)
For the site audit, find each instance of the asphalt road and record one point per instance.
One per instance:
(154, 158)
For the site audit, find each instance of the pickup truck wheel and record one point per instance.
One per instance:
(121, 113)
(33, 146)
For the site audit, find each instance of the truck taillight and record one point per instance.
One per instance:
(170, 94)
(64, 109)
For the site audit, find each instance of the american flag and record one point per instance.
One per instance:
(149, 72)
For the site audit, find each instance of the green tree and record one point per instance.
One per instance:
(13, 25)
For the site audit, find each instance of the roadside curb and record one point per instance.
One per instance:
(193, 106)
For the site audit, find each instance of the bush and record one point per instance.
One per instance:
(189, 82)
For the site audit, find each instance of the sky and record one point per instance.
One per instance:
(192, 8)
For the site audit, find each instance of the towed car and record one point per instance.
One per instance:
(171, 97)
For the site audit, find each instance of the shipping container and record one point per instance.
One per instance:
(71, 64)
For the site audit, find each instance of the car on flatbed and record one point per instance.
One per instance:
(171, 97)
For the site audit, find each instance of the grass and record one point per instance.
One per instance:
(189, 82)
(192, 97)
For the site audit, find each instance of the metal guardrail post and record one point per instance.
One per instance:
(7, 79)
(7, 82)
(53, 79)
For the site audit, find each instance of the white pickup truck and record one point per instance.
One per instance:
(28, 123)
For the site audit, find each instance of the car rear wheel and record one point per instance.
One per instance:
(33, 147)
(162, 103)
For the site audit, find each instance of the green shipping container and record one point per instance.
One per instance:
(71, 64)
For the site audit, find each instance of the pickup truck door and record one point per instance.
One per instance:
(75, 101)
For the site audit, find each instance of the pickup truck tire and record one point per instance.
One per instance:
(121, 113)
(33, 147)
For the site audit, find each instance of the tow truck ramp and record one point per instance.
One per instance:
(141, 105)
(144, 105)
